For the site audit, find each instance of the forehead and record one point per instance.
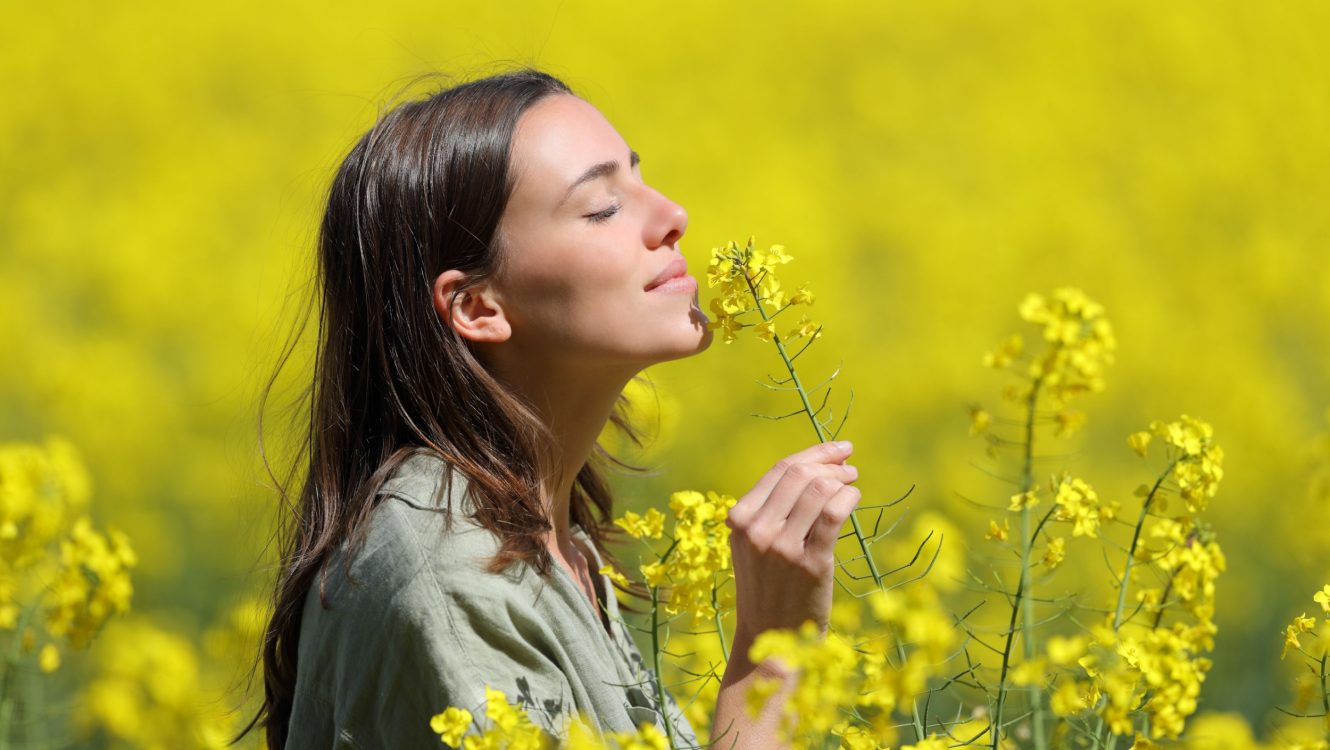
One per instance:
(556, 140)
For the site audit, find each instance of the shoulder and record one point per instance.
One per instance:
(421, 536)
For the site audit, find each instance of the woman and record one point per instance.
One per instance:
(494, 272)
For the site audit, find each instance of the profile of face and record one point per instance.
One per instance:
(586, 246)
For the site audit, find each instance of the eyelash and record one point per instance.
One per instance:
(601, 216)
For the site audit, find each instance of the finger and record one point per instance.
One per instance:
(826, 528)
(804, 514)
(822, 453)
(820, 480)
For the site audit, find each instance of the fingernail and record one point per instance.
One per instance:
(854, 470)
(844, 445)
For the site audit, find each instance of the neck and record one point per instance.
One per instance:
(575, 407)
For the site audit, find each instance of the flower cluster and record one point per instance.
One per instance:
(151, 690)
(698, 560)
(1079, 343)
(51, 557)
(747, 283)
(1198, 464)
(1303, 624)
(1079, 504)
(867, 671)
(1190, 561)
(510, 728)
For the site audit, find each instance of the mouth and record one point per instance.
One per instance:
(673, 275)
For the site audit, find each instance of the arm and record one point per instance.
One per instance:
(783, 535)
(733, 727)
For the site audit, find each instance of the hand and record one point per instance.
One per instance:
(782, 538)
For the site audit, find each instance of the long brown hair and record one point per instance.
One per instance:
(421, 192)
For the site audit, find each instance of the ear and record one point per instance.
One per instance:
(476, 314)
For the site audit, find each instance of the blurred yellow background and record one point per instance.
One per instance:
(926, 163)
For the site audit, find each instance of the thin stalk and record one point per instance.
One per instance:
(1100, 728)
(1135, 539)
(1023, 603)
(808, 409)
(655, 658)
(1325, 694)
(720, 628)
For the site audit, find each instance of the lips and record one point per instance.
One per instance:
(677, 267)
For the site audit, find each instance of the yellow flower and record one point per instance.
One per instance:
(1143, 743)
(49, 658)
(1068, 421)
(1139, 442)
(802, 296)
(1055, 552)
(1032, 672)
(1322, 598)
(615, 576)
(766, 330)
(932, 742)
(805, 328)
(451, 725)
(1072, 697)
(1008, 350)
(647, 737)
(1077, 502)
(1065, 651)
(651, 525)
(1023, 500)
(979, 420)
(996, 533)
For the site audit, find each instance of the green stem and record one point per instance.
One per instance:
(7, 702)
(1100, 732)
(655, 658)
(916, 720)
(1023, 603)
(1325, 694)
(720, 628)
(1135, 540)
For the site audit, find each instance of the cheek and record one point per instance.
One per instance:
(573, 297)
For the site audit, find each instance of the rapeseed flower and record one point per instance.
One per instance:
(747, 282)
(451, 724)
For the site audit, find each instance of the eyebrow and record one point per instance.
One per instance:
(603, 169)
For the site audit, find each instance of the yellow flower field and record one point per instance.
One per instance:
(1130, 195)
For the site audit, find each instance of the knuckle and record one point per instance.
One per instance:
(825, 485)
(800, 471)
(760, 538)
(834, 516)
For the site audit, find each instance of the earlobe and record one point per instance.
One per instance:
(475, 314)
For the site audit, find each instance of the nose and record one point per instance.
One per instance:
(668, 222)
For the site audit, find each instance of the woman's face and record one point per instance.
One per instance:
(584, 239)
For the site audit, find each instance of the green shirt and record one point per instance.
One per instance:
(422, 626)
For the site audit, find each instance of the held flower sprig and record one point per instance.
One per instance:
(747, 282)
(751, 296)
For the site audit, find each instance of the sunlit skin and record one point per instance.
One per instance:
(568, 320)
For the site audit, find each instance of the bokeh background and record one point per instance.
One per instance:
(926, 163)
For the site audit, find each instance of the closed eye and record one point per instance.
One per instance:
(602, 216)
